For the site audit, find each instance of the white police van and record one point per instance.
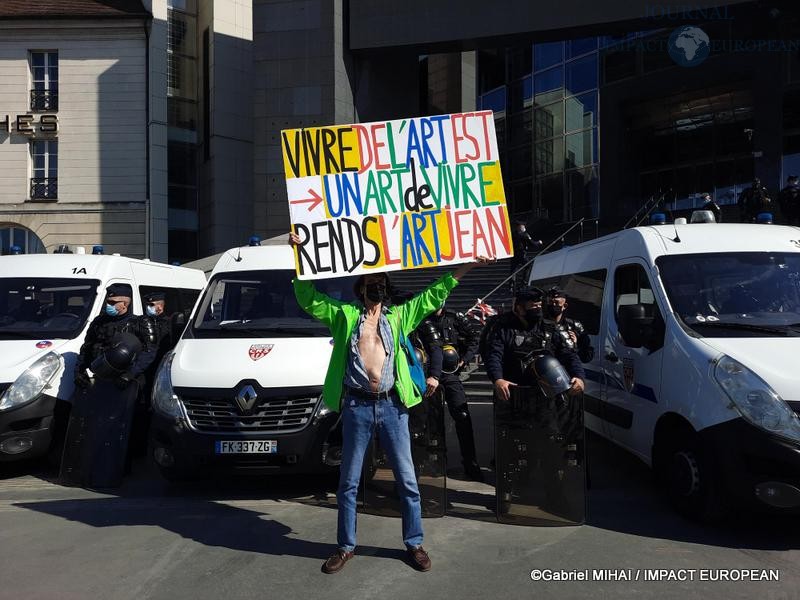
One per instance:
(241, 392)
(696, 330)
(46, 304)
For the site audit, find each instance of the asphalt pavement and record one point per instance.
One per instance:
(267, 538)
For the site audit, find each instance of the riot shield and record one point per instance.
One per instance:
(428, 451)
(540, 457)
(75, 457)
(96, 444)
(111, 428)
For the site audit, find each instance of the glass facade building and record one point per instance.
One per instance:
(601, 126)
(182, 109)
(546, 115)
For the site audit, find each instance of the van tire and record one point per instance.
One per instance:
(687, 475)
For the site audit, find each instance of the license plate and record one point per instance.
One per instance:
(246, 447)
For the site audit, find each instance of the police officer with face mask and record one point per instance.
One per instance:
(117, 317)
(538, 431)
(158, 321)
(519, 337)
(573, 332)
(459, 344)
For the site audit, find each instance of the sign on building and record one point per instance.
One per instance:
(392, 195)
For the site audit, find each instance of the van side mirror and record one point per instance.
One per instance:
(634, 325)
(177, 323)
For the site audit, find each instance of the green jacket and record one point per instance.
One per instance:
(342, 318)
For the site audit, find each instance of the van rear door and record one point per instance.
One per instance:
(632, 366)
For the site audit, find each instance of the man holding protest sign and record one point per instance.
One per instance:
(369, 381)
(369, 198)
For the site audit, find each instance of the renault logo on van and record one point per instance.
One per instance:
(246, 399)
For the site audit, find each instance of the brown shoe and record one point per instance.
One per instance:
(336, 562)
(419, 558)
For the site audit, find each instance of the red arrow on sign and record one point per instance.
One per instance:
(315, 200)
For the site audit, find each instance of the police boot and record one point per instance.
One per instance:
(466, 441)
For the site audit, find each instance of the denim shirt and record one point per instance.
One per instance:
(355, 374)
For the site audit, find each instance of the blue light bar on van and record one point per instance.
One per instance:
(254, 241)
(764, 218)
(15, 250)
(658, 219)
(98, 249)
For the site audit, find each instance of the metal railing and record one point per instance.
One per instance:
(44, 100)
(560, 238)
(44, 188)
(645, 209)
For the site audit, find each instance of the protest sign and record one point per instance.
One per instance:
(392, 195)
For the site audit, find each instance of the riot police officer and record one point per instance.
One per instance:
(790, 201)
(754, 200)
(573, 332)
(521, 335)
(459, 345)
(155, 305)
(710, 204)
(118, 348)
(116, 318)
(524, 246)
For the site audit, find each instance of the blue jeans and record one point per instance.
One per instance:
(359, 420)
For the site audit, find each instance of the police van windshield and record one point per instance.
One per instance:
(738, 294)
(36, 308)
(261, 304)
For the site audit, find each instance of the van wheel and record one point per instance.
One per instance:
(686, 474)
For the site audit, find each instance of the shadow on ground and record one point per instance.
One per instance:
(623, 499)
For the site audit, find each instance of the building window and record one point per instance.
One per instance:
(44, 170)
(15, 238)
(44, 80)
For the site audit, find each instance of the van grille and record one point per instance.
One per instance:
(273, 415)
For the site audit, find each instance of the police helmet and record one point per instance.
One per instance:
(118, 357)
(421, 356)
(449, 359)
(550, 375)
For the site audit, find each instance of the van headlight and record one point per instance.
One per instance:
(164, 399)
(32, 381)
(322, 409)
(755, 400)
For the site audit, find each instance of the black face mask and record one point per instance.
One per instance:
(532, 315)
(376, 292)
(554, 310)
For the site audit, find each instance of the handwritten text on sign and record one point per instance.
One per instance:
(395, 195)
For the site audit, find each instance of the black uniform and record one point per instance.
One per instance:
(103, 329)
(715, 210)
(584, 346)
(511, 348)
(96, 447)
(790, 202)
(456, 330)
(158, 329)
(752, 201)
(539, 440)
